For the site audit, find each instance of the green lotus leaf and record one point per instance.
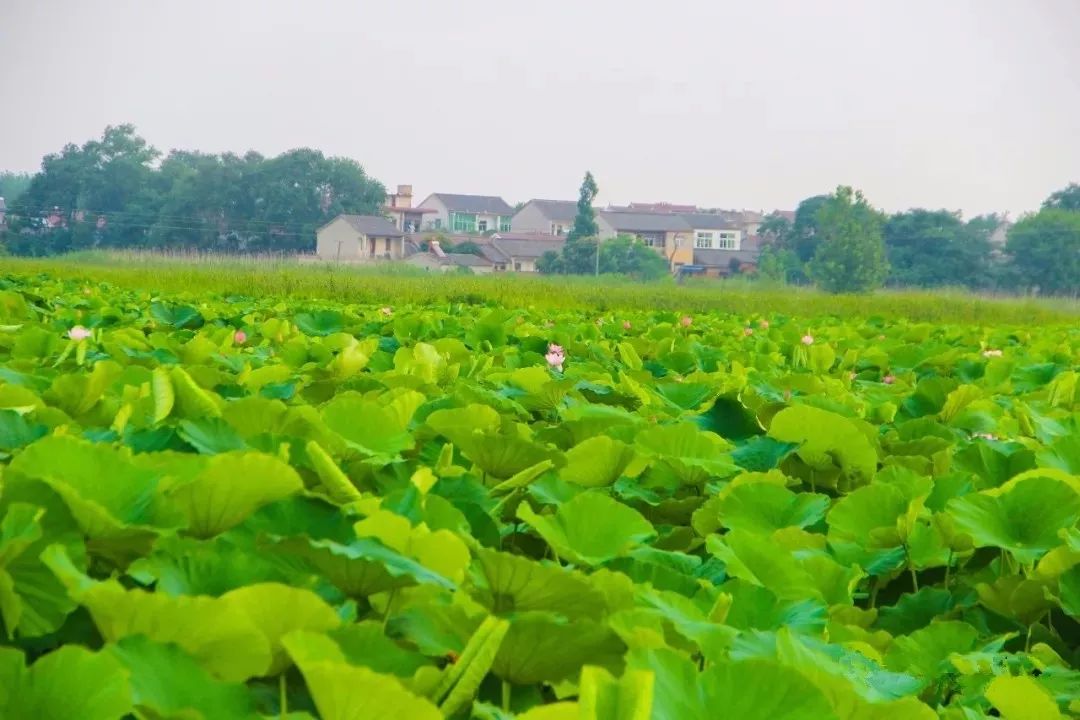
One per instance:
(855, 685)
(914, 610)
(366, 644)
(176, 315)
(692, 454)
(458, 423)
(277, 609)
(114, 501)
(320, 323)
(33, 601)
(166, 682)
(67, 683)
(605, 697)
(756, 608)
(831, 444)
(367, 426)
(348, 692)
(540, 647)
(925, 652)
(512, 583)
(729, 418)
(807, 575)
(230, 488)
(1063, 454)
(1024, 520)
(1021, 698)
(211, 435)
(597, 462)
(218, 633)
(188, 566)
(753, 689)
(764, 508)
(362, 566)
(16, 431)
(575, 533)
(762, 453)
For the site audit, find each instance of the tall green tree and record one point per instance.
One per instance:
(805, 236)
(934, 248)
(1045, 251)
(851, 255)
(585, 222)
(1068, 198)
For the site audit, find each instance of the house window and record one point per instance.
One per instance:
(728, 241)
(504, 224)
(437, 224)
(517, 267)
(462, 222)
(652, 240)
(481, 225)
(703, 240)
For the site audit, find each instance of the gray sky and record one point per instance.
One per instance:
(963, 104)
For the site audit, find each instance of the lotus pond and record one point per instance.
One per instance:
(225, 507)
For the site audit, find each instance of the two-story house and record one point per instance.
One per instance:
(549, 217)
(359, 239)
(467, 213)
(667, 233)
(720, 245)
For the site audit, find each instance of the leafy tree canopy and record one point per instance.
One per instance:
(851, 254)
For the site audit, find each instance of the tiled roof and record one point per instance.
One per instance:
(644, 222)
(558, 210)
(488, 204)
(371, 225)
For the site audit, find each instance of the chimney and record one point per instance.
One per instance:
(403, 197)
(436, 249)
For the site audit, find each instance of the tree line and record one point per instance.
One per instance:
(118, 191)
(841, 243)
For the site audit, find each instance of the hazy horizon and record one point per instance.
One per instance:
(964, 105)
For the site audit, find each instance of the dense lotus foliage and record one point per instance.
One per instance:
(232, 507)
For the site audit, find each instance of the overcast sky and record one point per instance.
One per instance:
(962, 104)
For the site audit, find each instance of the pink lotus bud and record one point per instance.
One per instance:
(764, 324)
(386, 311)
(79, 333)
(686, 321)
(626, 325)
(889, 379)
(808, 339)
(748, 331)
(239, 337)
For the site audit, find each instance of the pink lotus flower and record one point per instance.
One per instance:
(79, 333)
(555, 356)
(991, 353)
(889, 379)
(626, 325)
(763, 324)
(239, 337)
(807, 339)
(748, 331)
(686, 321)
(984, 436)
(386, 311)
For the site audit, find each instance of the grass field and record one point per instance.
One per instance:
(401, 284)
(251, 489)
